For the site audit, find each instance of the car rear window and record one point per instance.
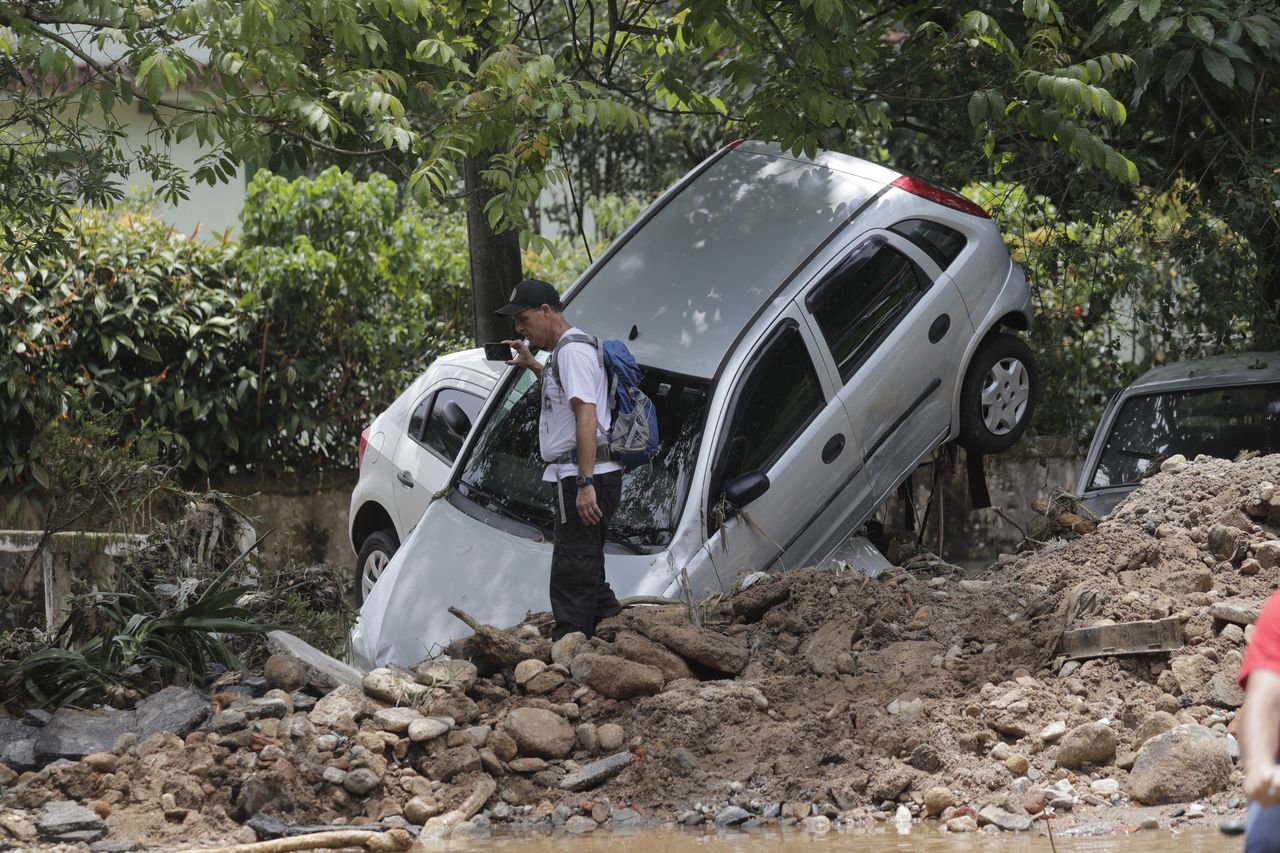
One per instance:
(941, 243)
(1220, 422)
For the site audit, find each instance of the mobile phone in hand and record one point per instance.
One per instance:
(498, 352)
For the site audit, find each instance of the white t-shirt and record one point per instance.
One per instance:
(584, 379)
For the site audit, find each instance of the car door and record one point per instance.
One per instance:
(424, 461)
(894, 328)
(783, 420)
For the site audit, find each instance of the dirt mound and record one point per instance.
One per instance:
(922, 691)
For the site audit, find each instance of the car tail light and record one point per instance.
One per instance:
(924, 189)
(733, 146)
(364, 442)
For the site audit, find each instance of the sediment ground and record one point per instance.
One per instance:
(821, 699)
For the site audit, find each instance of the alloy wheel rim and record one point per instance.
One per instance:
(1006, 391)
(372, 569)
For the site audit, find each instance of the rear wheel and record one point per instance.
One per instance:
(999, 394)
(375, 552)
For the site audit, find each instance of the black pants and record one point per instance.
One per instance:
(580, 595)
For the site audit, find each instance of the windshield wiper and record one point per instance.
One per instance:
(493, 502)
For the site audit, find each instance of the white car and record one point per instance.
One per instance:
(809, 328)
(406, 455)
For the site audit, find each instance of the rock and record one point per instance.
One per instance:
(817, 824)
(597, 772)
(567, 647)
(225, 722)
(963, 823)
(455, 762)
(74, 734)
(937, 800)
(17, 745)
(323, 672)
(1033, 801)
(578, 824)
(101, 762)
(7, 776)
(1173, 464)
(1104, 787)
(70, 822)
(419, 810)
(1240, 611)
(361, 782)
(527, 669)
(540, 733)
(823, 649)
(1052, 732)
(1224, 690)
(340, 709)
(1226, 541)
(545, 682)
(503, 745)
(456, 706)
(615, 677)
(1017, 764)
(1186, 582)
(114, 845)
(1155, 723)
(397, 720)
(394, 688)
(712, 650)
(528, 765)
(334, 775)
(448, 674)
(174, 709)
(1090, 743)
(268, 707)
(732, 816)
(1250, 567)
(641, 649)
(1184, 764)
(610, 736)
(285, 672)
(1267, 554)
(1007, 821)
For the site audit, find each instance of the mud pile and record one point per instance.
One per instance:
(817, 697)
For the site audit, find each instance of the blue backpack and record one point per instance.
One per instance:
(633, 433)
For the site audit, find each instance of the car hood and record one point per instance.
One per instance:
(452, 559)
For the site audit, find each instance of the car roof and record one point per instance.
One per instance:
(700, 265)
(1240, 368)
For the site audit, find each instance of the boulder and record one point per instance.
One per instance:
(362, 781)
(713, 650)
(540, 733)
(174, 709)
(17, 745)
(937, 800)
(610, 736)
(526, 670)
(285, 672)
(396, 720)
(70, 823)
(1181, 765)
(829, 642)
(1240, 611)
(454, 762)
(394, 688)
(597, 772)
(428, 728)
(568, 647)
(615, 677)
(449, 674)
(1267, 554)
(1226, 541)
(74, 734)
(323, 672)
(641, 649)
(1090, 743)
(503, 745)
(1154, 724)
(347, 703)
(545, 682)
(1007, 821)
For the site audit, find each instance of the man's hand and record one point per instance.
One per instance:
(1262, 785)
(523, 358)
(588, 509)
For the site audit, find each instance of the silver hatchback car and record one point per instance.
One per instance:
(810, 330)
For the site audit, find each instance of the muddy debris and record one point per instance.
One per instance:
(818, 700)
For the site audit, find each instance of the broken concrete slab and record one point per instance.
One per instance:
(1238, 611)
(1124, 638)
(65, 821)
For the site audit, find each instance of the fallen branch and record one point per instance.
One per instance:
(501, 647)
(391, 840)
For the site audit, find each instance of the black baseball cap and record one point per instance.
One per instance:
(530, 293)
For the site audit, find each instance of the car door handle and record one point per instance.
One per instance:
(406, 478)
(939, 328)
(832, 448)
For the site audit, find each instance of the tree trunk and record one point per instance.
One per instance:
(495, 258)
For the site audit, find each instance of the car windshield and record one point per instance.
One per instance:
(504, 470)
(1219, 422)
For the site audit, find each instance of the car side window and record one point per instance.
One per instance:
(939, 242)
(418, 418)
(776, 402)
(436, 434)
(862, 299)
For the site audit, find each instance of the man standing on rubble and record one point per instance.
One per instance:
(1260, 731)
(575, 414)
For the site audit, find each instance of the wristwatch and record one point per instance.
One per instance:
(585, 481)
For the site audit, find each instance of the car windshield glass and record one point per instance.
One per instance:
(1216, 421)
(504, 469)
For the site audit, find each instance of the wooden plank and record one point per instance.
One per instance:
(1125, 638)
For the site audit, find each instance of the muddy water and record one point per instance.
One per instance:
(919, 840)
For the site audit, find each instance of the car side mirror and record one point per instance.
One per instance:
(456, 419)
(745, 488)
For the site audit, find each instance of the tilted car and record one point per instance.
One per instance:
(1219, 406)
(810, 330)
(406, 455)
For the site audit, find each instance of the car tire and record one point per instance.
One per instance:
(999, 394)
(375, 552)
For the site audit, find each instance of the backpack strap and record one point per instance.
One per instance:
(602, 446)
(572, 339)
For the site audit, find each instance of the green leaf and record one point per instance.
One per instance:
(1165, 30)
(1200, 28)
(1219, 67)
(1122, 12)
(1148, 9)
(1177, 69)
